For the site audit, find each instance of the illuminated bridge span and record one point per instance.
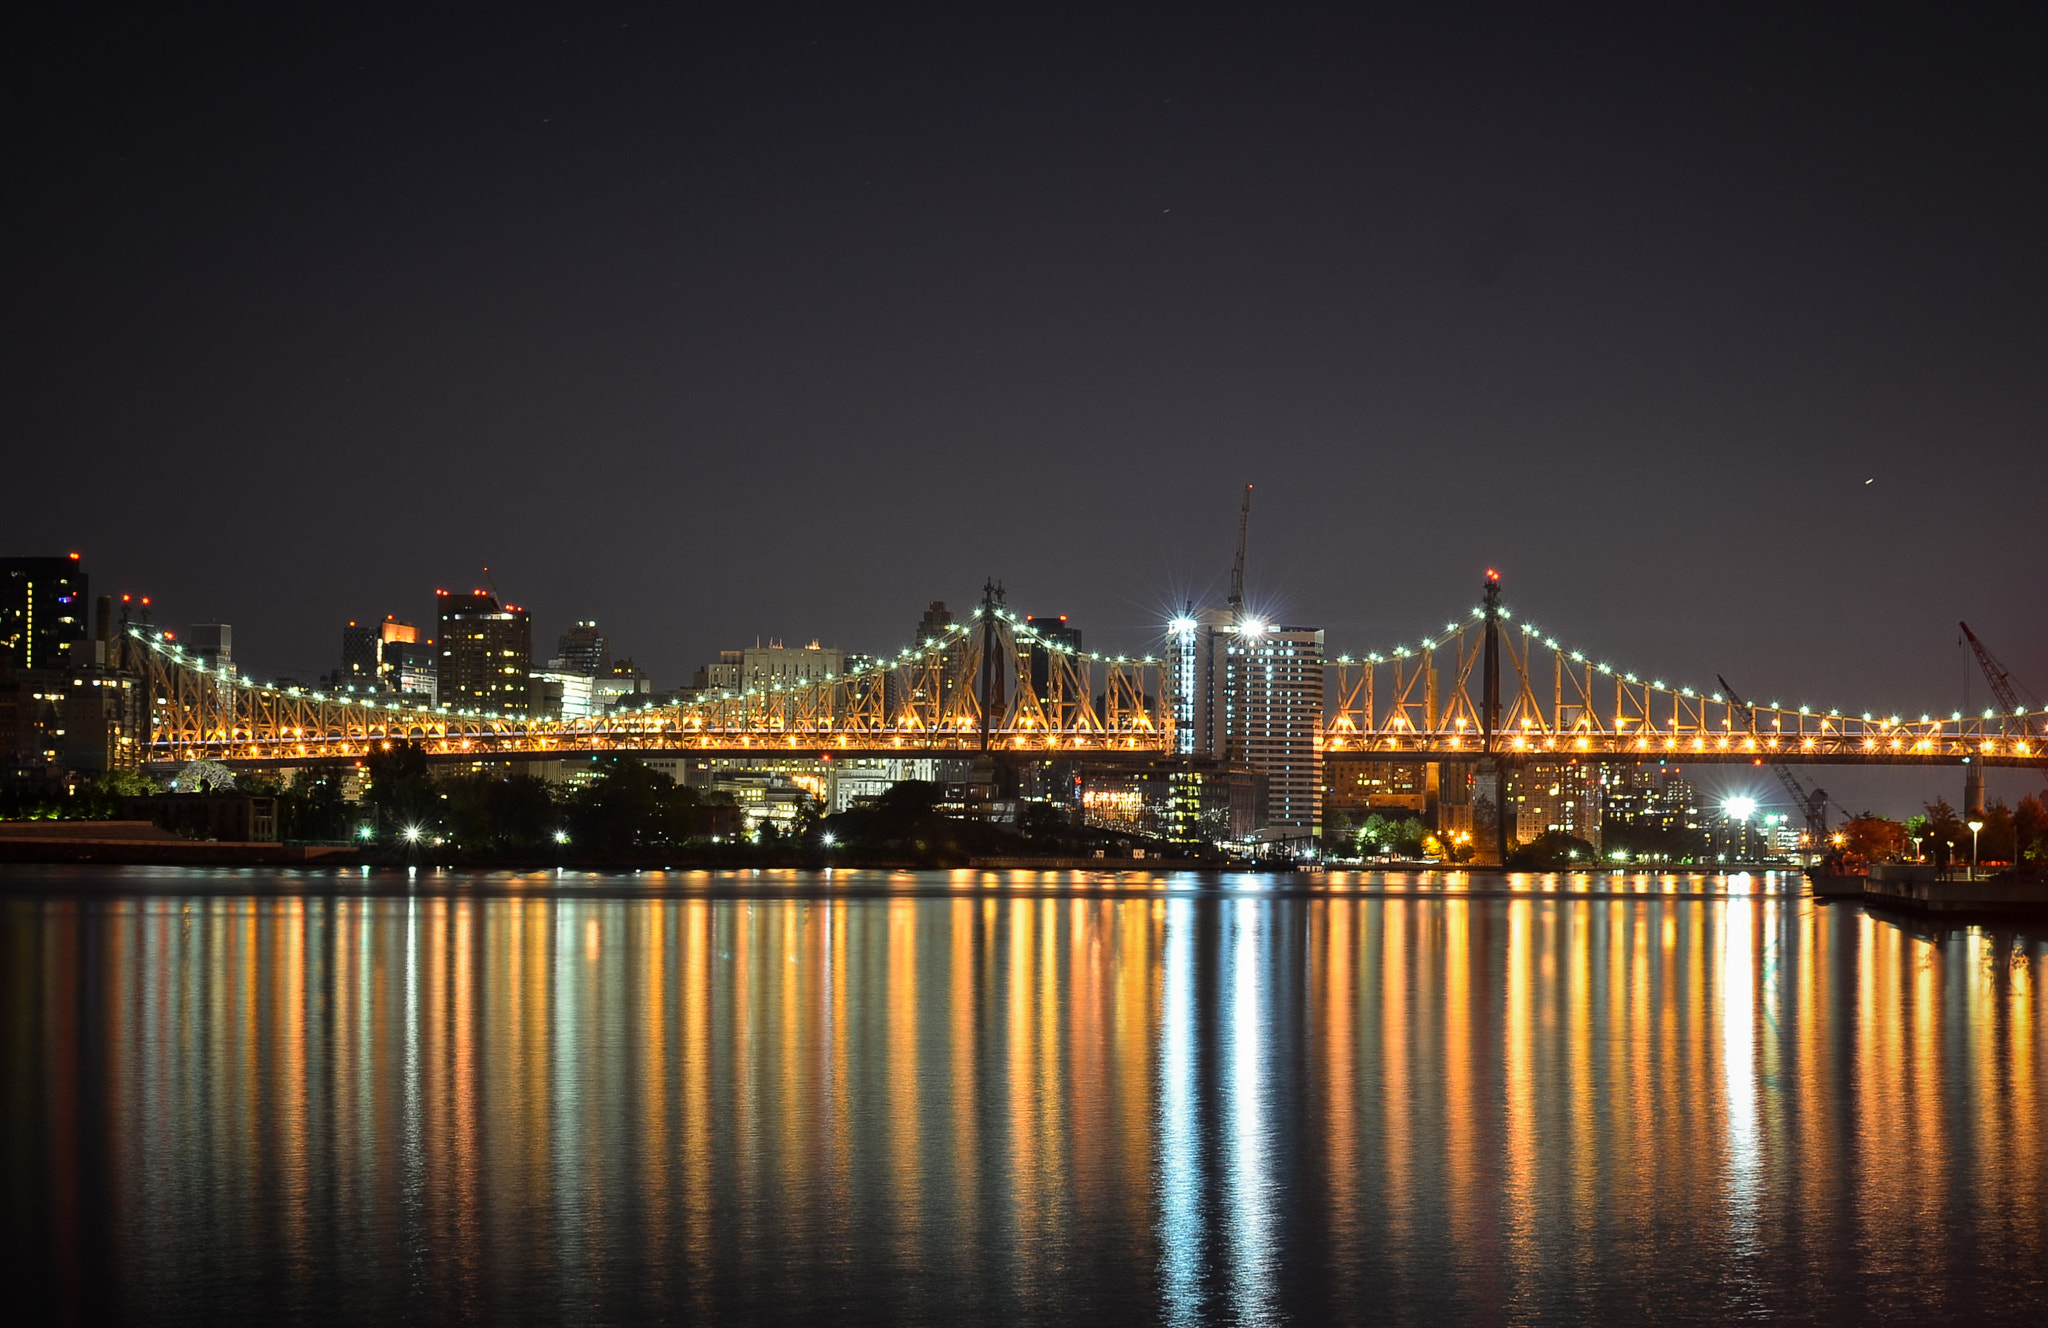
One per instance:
(957, 694)
(1419, 702)
(993, 684)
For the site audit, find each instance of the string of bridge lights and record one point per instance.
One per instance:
(163, 644)
(1531, 632)
(1178, 627)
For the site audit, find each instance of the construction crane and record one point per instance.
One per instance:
(1233, 750)
(1813, 803)
(2012, 697)
(1244, 525)
(2002, 685)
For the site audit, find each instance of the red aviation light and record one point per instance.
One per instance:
(74, 557)
(1492, 575)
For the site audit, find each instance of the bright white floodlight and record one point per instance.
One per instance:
(1739, 808)
(1182, 626)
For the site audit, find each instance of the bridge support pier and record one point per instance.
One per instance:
(1973, 791)
(1489, 830)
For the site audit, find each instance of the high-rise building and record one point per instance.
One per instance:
(1200, 637)
(583, 649)
(360, 649)
(486, 653)
(773, 664)
(42, 611)
(1561, 797)
(1652, 808)
(212, 646)
(411, 669)
(935, 626)
(561, 694)
(1252, 693)
(1273, 716)
(106, 717)
(932, 626)
(387, 656)
(1058, 631)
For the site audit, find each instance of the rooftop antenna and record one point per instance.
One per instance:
(1244, 523)
(489, 582)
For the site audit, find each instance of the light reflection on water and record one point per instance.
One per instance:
(1014, 1097)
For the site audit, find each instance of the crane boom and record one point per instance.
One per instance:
(1244, 525)
(1812, 804)
(2002, 685)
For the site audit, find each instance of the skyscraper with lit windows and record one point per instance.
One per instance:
(42, 611)
(1252, 693)
(486, 653)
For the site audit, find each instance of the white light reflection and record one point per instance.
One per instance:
(1251, 1186)
(1738, 1069)
(412, 1144)
(1180, 1184)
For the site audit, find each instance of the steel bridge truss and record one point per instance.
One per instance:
(928, 700)
(1410, 703)
(1416, 702)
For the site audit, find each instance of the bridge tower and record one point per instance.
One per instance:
(1489, 783)
(992, 698)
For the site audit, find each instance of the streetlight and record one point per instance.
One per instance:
(1975, 826)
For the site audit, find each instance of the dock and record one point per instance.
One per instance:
(1924, 889)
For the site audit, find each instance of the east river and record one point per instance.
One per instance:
(947, 1098)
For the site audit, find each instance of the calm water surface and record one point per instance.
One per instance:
(255, 1096)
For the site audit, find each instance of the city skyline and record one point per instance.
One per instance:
(856, 664)
(783, 322)
(1896, 791)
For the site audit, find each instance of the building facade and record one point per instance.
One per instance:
(1649, 810)
(486, 653)
(1560, 798)
(1058, 631)
(583, 649)
(773, 665)
(1251, 693)
(42, 611)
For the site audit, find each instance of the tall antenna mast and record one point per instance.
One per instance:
(1244, 524)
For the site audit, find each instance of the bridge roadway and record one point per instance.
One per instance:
(1093, 750)
(1424, 703)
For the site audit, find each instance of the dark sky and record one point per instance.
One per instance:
(779, 321)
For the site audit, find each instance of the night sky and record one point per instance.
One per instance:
(1725, 339)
